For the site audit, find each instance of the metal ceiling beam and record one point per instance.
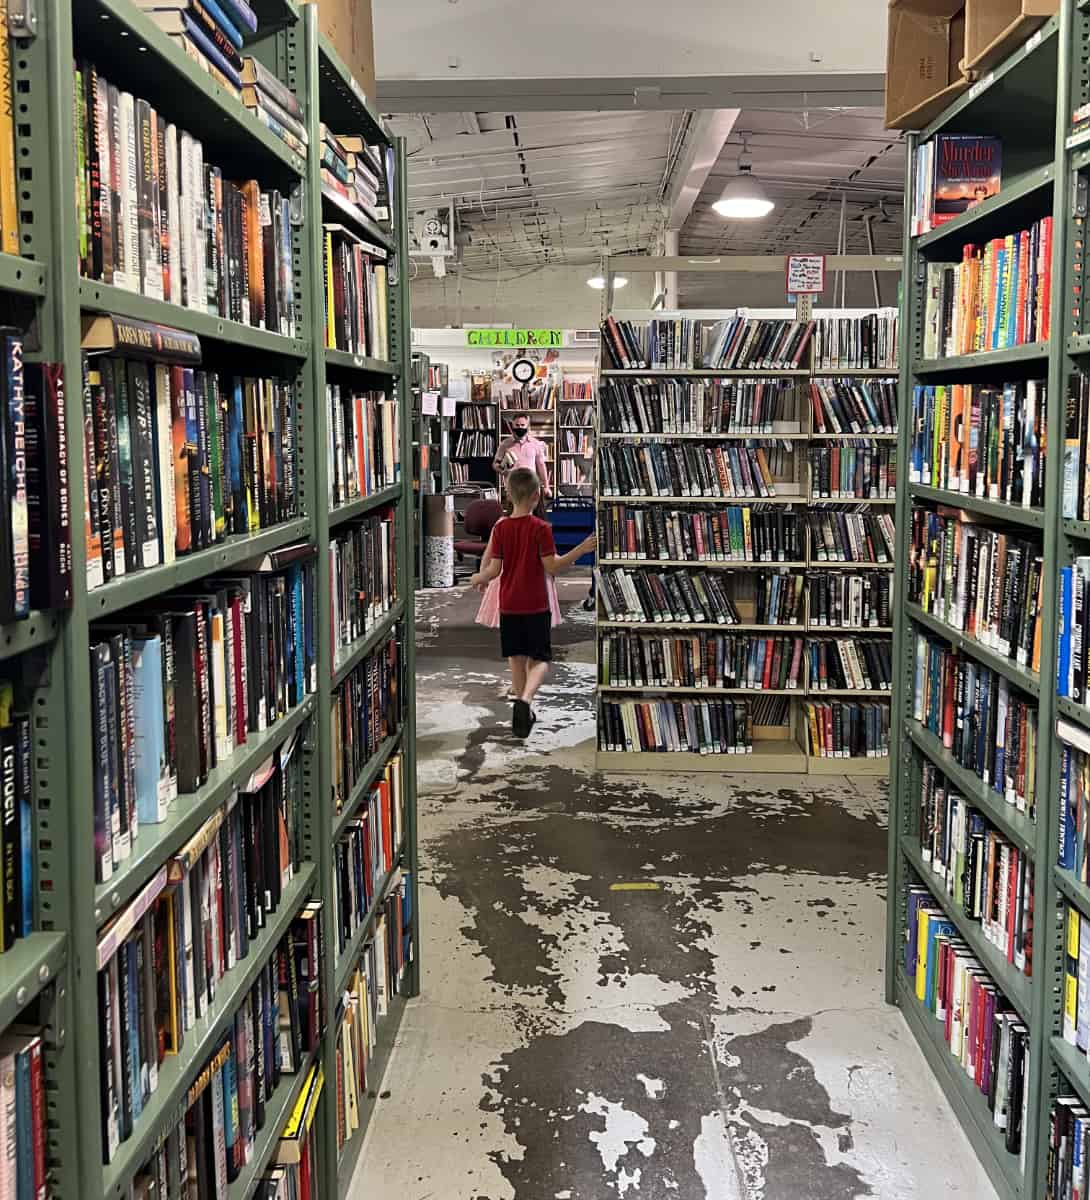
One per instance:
(704, 142)
(748, 262)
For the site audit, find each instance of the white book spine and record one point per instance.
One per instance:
(130, 193)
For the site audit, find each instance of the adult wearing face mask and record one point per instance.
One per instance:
(522, 449)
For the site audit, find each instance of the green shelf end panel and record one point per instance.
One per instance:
(129, 50)
(1027, 101)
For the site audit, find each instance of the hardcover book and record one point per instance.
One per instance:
(968, 171)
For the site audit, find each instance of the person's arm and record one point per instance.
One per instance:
(543, 470)
(486, 574)
(555, 564)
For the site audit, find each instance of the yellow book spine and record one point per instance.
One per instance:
(923, 920)
(1071, 977)
(9, 220)
(747, 532)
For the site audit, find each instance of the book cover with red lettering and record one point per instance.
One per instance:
(968, 170)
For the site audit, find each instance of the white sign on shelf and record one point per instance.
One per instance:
(805, 274)
(449, 408)
(429, 404)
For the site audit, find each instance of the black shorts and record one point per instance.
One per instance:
(528, 634)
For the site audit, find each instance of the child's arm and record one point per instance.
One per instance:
(555, 564)
(485, 575)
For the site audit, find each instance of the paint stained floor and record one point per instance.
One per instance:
(721, 1035)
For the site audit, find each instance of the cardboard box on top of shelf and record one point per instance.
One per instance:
(348, 25)
(923, 60)
(996, 28)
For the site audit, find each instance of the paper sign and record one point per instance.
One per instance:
(514, 337)
(806, 274)
(458, 389)
(429, 404)
(449, 408)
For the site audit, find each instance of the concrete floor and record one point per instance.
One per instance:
(722, 1035)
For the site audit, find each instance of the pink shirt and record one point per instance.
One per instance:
(527, 452)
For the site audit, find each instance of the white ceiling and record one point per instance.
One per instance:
(538, 189)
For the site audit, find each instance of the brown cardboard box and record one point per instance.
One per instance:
(348, 25)
(923, 60)
(996, 28)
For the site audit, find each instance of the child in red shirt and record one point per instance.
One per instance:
(522, 548)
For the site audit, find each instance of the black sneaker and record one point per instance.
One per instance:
(521, 719)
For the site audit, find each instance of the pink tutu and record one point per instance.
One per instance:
(489, 612)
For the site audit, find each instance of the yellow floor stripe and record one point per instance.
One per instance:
(635, 887)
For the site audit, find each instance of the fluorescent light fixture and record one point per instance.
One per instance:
(598, 282)
(744, 198)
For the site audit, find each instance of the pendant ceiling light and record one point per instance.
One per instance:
(598, 282)
(744, 198)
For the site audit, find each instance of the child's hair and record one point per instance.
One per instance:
(522, 485)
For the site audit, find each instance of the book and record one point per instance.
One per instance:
(14, 500)
(363, 448)
(363, 575)
(955, 173)
(661, 725)
(356, 308)
(9, 212)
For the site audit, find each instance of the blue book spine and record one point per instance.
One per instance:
(224, 22)
(133, 1046)
(297, 631)
(24, 1128)
(1065, 853)
(242, 14)
(1063, 666)
(150, 756)
(230, 1110)
(201, 40)
(25, 797)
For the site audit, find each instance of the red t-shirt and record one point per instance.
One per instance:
(522, 542)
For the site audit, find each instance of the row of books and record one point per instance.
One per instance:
(474, 445)
(982, 440)
(954, 173)
(367, 851)
(364, 444)
(986, 723)
(355, 172)
(735, 406)
(365, 710)
(984, 582)
(573, 389)
(856, 343)
(984, 1036)
(356, 294)
(1076, 477)
(18, 884)
(459, 472)
(362, 575)
(643, 594)
(1074, 791)
(730, 534)
(856, 470)
(24, 1132)
(996, 297)
(181, 684)
(1076, 1007)
(475, 417)
(850, 664)
(838, 598)
(205, 1150)
(371, 987)
(577, 443)
(711, 660)
(847, 729)
(721, 726)
(854, 406)
(273, 103)
(853, 537)
(686, 469)
(571, 417)
(989, 878)
(1068, 1161)
(777, 598)
(177, 458)
(211, 34)
(737, 343)
(35, 520)
(160, 960)
(154, 218)
(572, 471)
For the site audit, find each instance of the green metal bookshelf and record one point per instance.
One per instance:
(51, 974)
(1027, 102)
